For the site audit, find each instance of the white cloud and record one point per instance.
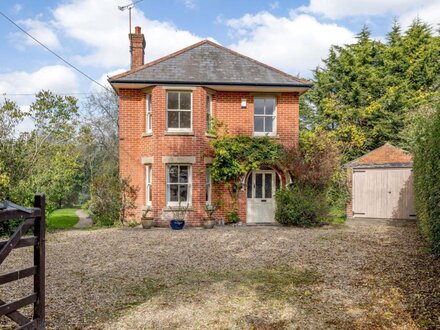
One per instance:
(56, 78)
(190, 4)
(102, 27)
(337, 9)
(295, 44)
(17, 8)
(40, 30)
(429, 14)
(103, 80)
(274, 5)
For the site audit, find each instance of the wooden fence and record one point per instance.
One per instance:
(30, 217)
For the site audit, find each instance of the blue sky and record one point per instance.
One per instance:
(92, 34)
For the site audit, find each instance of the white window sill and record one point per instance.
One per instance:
(210, 135)
(179, 133)
(275, 136)
(145, 134)
(171, 208)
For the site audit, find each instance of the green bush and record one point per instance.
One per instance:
(301, 206)
(427, 179)
(112, 200)
(232, 217)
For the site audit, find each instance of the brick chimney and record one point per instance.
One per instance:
(137, 41)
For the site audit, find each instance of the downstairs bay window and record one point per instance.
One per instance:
(179, 180)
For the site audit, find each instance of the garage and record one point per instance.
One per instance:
(381, 185)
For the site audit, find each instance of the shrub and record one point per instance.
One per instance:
(232, 217)
(427, 179)
(300, 206)
(318, 181)
(112, 200)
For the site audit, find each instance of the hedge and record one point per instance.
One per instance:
(427, 180)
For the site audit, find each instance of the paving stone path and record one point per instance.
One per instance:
(84, 219)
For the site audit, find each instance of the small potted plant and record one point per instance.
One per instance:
(209, 223)
(179, 214)
(147, 221)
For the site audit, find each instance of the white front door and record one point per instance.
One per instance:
(261, 187)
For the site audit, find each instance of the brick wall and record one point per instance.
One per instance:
(134, 144)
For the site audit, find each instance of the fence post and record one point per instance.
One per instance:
(39, 261)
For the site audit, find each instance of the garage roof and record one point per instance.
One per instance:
(385, 156)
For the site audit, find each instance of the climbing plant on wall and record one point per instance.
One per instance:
(237, 155)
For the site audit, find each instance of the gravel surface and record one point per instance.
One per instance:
(362, 275)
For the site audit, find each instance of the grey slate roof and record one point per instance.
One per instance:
(207, 63)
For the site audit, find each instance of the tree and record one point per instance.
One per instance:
(46, 159)
(365, 89)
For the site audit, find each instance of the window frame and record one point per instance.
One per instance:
(274, 117)
(148, 185)
(168, 184)
(208, 112)
(178, 129)
(148, 114)
(208, 186)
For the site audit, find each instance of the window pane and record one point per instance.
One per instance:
(173, 119)
(270, 106)
(173, 174)
(277, 182)
(183, 175)
(183, 193)
(268, 124)
(258, 124)
(149, 102)
(259, 106)
(208, 175)
(258, 185)
(185, 119)
(249, 186)
(208, 104)
(150, 194)
(173, 100)
(268, 185)
(185, 101)
(174, 192)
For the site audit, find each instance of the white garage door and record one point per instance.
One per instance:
(383, 193)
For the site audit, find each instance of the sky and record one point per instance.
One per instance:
(293, 36)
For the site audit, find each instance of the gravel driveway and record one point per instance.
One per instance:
(365, 274)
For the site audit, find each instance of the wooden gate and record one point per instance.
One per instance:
(31, 217)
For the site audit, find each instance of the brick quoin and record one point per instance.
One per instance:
(226, 107)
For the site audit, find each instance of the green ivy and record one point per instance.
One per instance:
(237, 155)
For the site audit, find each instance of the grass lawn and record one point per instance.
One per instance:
(62, 219)
(337, 214)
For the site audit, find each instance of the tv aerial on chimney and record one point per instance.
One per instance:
(129, 7)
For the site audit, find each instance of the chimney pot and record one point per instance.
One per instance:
(137, 30)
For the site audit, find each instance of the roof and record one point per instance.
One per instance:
(385, 156)
(207, 63)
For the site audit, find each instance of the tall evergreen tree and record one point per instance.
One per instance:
(365, 89)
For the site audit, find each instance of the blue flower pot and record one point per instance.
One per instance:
(177, 224)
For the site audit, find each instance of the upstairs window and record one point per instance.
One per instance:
(149, 122)
(179, 109)
(208, 113)
(264, 116)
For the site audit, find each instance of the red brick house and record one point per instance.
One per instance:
(164, 122)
